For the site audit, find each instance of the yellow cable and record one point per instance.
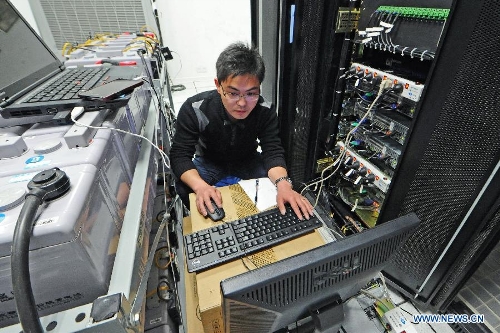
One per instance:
(146, 28)
(157, 261)
(153, 292)
(65, 50)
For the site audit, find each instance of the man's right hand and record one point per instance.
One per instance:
(203, 191)
(203, 195)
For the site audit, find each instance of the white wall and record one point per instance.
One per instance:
(24, 8)
(196, 31)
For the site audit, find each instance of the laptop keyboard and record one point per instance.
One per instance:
(69, 84)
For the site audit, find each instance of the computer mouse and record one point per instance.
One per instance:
(218, 213)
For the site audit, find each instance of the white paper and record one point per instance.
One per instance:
(266, 193)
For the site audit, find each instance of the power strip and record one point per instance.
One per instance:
(411, 90)
(382, 181)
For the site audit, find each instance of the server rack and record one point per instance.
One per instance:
(451, 163)
(445, 167)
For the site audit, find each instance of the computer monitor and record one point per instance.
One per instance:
(311, 288)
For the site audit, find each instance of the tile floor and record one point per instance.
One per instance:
(192, 88)
(482, 292)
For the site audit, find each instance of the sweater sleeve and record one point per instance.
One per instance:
(184, 140)
(270, 142)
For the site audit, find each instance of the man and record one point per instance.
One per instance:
(222, 128)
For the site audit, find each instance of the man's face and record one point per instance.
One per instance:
(240, 95)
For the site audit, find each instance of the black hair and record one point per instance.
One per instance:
(239, 59)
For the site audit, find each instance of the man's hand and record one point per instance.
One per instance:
(203, 191)
(203, 195)
(300, 205)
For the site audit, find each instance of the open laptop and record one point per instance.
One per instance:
(28, 66)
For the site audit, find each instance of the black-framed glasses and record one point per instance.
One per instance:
(232, 96)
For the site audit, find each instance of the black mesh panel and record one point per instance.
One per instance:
(464, 263)
(461, 151)
(310, 34)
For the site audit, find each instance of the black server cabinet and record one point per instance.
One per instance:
(448, 170)
(311, 56)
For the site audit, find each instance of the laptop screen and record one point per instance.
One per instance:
(24, 58)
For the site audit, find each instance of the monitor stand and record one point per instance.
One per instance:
(328, 316)
(325, 317)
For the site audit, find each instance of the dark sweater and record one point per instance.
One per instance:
(203, 128)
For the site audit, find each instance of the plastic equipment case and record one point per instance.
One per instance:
(75, 237)
(73, 243)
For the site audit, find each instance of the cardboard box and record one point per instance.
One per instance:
(192, 322)
(236, 203)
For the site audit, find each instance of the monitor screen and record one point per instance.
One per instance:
(311, 287)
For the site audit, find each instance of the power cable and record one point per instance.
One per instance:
(44, 186)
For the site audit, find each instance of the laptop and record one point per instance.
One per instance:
(28, 67)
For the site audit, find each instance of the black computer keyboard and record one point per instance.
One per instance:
(228, 241)
(70, 84)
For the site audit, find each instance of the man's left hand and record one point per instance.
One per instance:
(300, 205)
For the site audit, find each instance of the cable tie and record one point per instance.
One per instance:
(403, 51)
(411, 53)
(355, 205)
(422, 56)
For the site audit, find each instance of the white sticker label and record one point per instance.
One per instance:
(47, 221)
(366, 40)
(24, 177)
